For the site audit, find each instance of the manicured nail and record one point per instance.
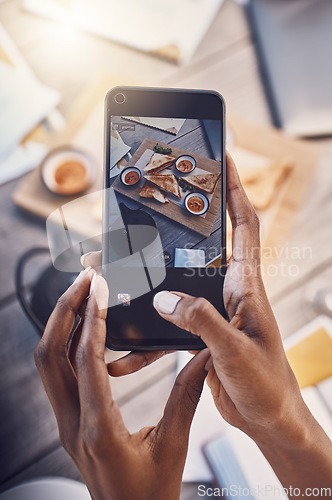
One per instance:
(93, 281)
(165, 302)
(81, 274)
(82, 259)
(99, 291)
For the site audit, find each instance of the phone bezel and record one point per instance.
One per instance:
(162, 102)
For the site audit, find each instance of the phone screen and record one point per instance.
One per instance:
(163, 223)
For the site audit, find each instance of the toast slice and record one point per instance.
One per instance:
(261, 176)
(205, 182)
(262, 189)
(165, 182)
(149, 191)
(158, 162)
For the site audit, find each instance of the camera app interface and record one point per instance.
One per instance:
(164, 206)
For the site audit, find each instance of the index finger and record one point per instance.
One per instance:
(245, 223)
(182, 402)
(134, 361)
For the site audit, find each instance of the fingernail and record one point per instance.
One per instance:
(99, 291)
(165, 302)
(93, 281)
(82, 259)
(81, 274)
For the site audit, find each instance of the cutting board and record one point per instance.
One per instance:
(277, 220)
(202, 225)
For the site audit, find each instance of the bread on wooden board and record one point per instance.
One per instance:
(206, 182)
(150, 191)
(166, 182)
(158, 162)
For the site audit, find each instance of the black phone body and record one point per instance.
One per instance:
(162, 233)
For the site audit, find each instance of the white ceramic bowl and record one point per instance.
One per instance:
(189, 158)
(126, 171)
(203, 199)
(63, 181)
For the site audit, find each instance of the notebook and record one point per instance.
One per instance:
(293, 40)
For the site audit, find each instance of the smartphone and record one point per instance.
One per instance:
(164, 209)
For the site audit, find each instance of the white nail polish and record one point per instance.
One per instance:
(82, 259)
(78, 277)
(165, 302)
(81, 274)
(92, 283)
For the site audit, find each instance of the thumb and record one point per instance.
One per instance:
(198, 316)
(182, 402)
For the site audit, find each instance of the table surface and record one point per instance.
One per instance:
(224, 61)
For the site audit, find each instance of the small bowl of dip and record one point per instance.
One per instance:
(185, 164)
(130, 176)
(68, 171)
(196, 203)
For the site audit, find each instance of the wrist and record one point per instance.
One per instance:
(298, 450)
(291, 430)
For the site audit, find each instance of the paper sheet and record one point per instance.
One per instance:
(171, 125)
(138, 24)
(90, 138)
(24, 102)
(318, 408)
(309, 352)
(21, 160)
(325, 391)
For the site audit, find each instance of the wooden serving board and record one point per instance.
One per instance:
(202, 225)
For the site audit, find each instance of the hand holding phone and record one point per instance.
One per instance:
(164, 211)
(248, 373)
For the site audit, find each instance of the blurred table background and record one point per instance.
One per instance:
(67, 60)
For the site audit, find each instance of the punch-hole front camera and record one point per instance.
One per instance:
(120, 98)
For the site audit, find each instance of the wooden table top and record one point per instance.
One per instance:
(225, 61)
